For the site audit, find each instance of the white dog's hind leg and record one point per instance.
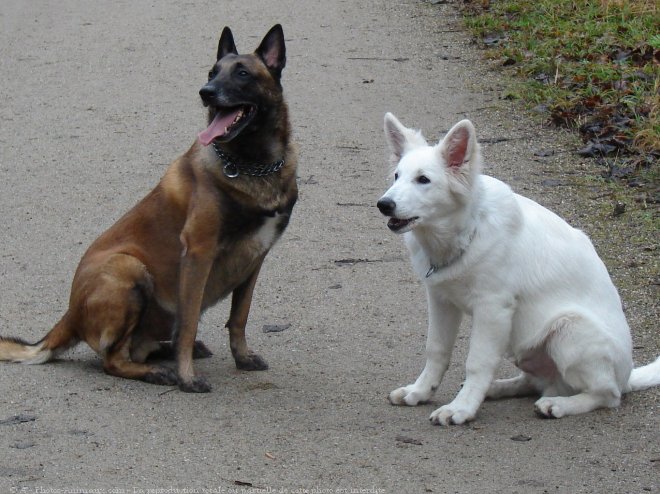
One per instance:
(521, 385)
(589, 363)
(444, 321)
(596, 380)
(560, 406)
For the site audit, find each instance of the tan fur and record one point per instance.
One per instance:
(18, 351)
(170, 257)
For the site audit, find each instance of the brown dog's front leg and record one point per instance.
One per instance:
(240, 308)
(194, 272)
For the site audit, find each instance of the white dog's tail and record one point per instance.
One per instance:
(644, 377)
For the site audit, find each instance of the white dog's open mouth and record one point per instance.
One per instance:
(399, 226)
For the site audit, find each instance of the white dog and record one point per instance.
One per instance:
(534, 286)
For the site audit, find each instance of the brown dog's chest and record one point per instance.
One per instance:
(240, 253)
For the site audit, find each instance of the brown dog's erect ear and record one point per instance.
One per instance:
(272, 51)
(226, 44)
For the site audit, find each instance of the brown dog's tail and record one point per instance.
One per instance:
(58, 340)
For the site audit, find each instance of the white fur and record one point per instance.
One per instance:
(534, 286)
(268, 233)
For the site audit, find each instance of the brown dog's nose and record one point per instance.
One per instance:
(386, 206)
(207, 93)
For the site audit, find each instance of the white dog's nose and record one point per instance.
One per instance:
(386, 206)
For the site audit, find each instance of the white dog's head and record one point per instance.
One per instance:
(431, 183)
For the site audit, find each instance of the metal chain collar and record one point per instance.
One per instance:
(232, 169)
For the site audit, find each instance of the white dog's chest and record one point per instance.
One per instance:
(460, 295)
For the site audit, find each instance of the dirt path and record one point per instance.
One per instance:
(96, 98)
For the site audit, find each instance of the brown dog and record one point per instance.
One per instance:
(200, 235)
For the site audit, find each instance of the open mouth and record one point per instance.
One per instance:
(227, 123)
(398, 225)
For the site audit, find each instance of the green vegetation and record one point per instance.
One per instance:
(594, 65)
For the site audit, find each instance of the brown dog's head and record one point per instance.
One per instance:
(243, 91)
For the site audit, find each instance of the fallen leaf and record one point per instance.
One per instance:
(521, 438)
(619, 208)
(596, 149)
(408, 440)
(22, 444)
(551, 182)
(492, 39)
(275, 328)
(18, 419)
(544, 153)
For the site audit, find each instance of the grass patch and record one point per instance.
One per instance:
(593, 65)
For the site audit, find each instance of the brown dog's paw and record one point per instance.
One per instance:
(167, 351)
(200, 350)
(198, 384)
(251, 362)
(163, 376)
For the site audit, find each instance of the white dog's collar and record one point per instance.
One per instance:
(437, 267)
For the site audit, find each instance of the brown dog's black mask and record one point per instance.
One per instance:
(241, 88)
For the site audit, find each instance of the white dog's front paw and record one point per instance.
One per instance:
(409, 395)
(451, 415)
(551, 407)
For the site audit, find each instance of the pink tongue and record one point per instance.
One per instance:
(217, 128)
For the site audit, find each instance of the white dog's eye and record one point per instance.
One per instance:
(396, 177)
(423, 179)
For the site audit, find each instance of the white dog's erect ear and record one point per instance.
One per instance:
(459, 145)
(459, 151)
(401, 138)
